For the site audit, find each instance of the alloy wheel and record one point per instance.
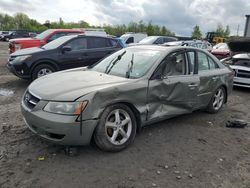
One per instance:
(118, 126)
(218, 99)
(43, 72)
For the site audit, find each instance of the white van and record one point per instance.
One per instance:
(133, 37)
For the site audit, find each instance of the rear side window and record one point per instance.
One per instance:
(212, 64)
(96, 42)
(205, 62)
(202, 62)
(113, 43)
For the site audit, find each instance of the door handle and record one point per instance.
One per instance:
(192, 85)
(85, 54)
(214, 78)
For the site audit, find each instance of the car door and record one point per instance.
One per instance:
(76, 57)
(208, 72)
(98, 48)
(173, 88)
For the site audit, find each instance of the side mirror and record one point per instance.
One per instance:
(66, 49)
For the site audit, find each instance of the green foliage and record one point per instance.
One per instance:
(21, 21)
(223, 32)
(196, 34)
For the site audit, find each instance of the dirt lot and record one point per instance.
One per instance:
(194, 150)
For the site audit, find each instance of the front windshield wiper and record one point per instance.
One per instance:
(130, 67)
(113, 62)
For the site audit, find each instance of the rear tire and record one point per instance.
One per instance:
(116, 129)
(217, 100)
(42, 70)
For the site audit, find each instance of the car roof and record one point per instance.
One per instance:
(160, 48)
(70, 30)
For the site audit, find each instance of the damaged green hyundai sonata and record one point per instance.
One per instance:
(110, 101)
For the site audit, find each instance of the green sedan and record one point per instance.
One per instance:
(109, 102)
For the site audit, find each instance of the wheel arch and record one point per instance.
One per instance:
(46, 62)
(226, 92)
(134, 110)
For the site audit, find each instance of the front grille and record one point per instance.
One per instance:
(242, 74)
(30, 100)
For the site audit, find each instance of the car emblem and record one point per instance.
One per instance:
(27, 97)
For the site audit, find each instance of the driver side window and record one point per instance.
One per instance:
(175, 64)
(55, 36)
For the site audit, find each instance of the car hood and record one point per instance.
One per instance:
(240, 45)
(72, 84)
(19, 40)
(27, 51)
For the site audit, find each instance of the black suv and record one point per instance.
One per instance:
(63, 53)
(16, 34)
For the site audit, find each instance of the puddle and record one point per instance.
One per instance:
(6, 92)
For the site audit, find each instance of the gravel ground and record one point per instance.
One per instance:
(195, 150)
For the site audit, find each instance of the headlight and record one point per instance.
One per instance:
(17, 46)
(21, 58)
(66, 108)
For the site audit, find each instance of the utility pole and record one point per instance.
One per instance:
(238, 28)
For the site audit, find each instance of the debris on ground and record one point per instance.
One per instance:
(178, 177)
(238, 123)
(41, 158)
(71, 151)
(154, 185)
(2, 152)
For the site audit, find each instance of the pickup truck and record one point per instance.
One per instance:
(41, 39)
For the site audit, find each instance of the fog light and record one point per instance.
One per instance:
(22, 71)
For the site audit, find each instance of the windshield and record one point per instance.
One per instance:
(43, 35)
(136, 62)
(148, 40)
(57, 42)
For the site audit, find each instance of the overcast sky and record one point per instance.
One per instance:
(180, 16)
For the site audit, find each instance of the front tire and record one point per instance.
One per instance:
(116, 129)
(217, 101)
(42, 70)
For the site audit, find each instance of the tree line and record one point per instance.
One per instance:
(21, 21)
(220, 31)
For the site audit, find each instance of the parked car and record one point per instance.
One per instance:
(111, 100)
(41, 39)
(193, 43)
(15, 34)
(63, 53)
(3, 33)
(221, 51)
(133, 37)
(156, 40)
(240, 63)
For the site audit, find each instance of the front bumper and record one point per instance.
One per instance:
(242, 82)
(13, 70)
(60, 129)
